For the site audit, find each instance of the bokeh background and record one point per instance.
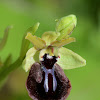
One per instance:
(24, 13)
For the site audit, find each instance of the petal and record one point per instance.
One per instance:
(69, 59)
(63, 42)
(49, 37)
(32, 56)
(36, 41)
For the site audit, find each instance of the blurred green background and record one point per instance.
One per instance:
(24, 13)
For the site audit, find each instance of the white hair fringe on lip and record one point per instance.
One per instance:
(49, 57)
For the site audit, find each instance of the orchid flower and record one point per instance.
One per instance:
(47, 58)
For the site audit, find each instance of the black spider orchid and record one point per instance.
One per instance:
(46, 80)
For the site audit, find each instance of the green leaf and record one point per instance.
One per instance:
(36, 41)
(63, 42)
(32, 56)
(69, 59)
(25, 43)
(49, 37)
(65, 26)
(4, 40)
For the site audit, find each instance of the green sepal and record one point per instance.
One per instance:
(32, 56)
(65, 26)
(69, 59)
(36, 41)
(63, 42)
(49, 37)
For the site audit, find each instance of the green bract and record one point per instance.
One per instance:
(52, 42)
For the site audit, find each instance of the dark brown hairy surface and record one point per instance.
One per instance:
(35, 81)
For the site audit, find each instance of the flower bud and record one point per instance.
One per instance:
(65, 26)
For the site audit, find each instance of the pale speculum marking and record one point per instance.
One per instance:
(46, 84)
(47, 64)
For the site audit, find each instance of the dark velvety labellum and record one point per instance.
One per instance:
(35, 84)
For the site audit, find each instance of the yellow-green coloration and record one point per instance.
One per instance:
(62, 42)
(29, 60)
(50, 36)
(69, 59)
(65, 26)
(52, 42)
(36, 41)
(52, 51)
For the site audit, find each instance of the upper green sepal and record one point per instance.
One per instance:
(69, 59)
(50, 36)
(65, 26)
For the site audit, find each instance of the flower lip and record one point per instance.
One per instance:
(36, 89)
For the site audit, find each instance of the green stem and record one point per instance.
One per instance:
(7, 68)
